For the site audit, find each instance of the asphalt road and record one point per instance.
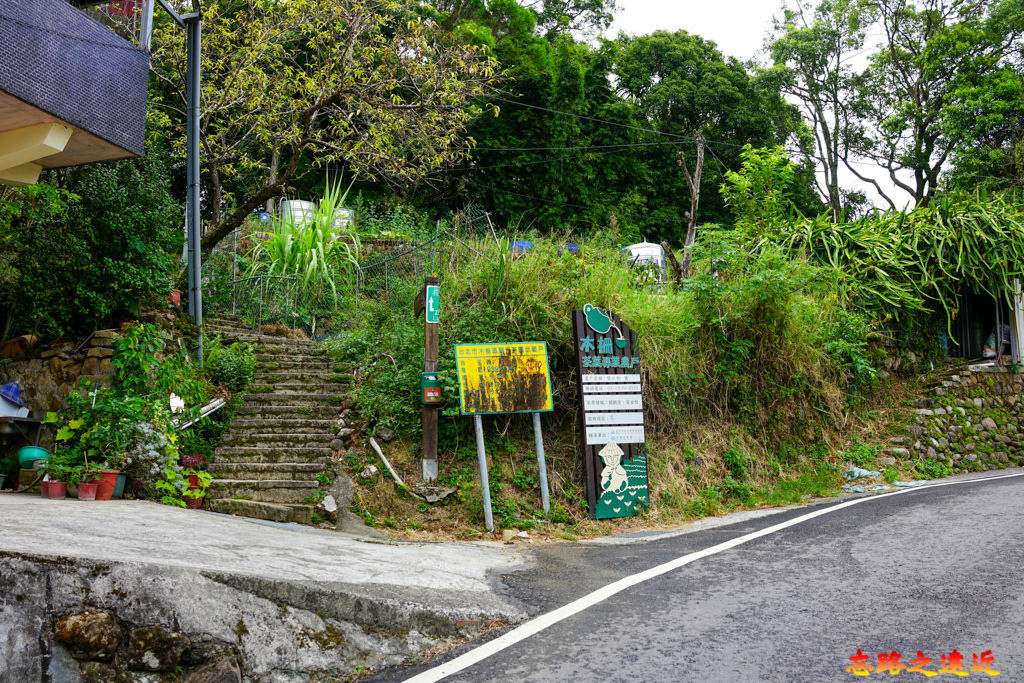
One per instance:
(928, 570)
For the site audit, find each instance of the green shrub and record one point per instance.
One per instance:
(861, 455)
(231, 366)
(94, 250)
(933, 469)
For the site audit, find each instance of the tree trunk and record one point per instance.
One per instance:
(694, 183)
(275, 161)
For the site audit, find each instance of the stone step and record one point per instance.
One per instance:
(284, 412)
(318, 440)
(274, 512)
(262, 341)
(303, 376)
(284, 425)
(294, 399)
(289, 454)
(305, 471)
(224, 323)
(320, 364)
(256, 337)
(284, 491)
(286, 387)
(275, 355)
(234, 323)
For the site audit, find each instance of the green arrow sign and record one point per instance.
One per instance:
(433, 304)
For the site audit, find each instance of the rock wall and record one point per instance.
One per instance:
(47, 379)
(972, 421)
(75, 620)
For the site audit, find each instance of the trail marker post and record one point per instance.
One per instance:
(428, 302)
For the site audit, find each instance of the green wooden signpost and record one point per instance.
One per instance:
(613, 436)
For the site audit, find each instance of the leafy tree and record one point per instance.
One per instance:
(550, 17)
(681, 84)
(380, 89)
(939, 65)
(813, 49)
(760, 193)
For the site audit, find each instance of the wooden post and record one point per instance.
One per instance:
(428, 302)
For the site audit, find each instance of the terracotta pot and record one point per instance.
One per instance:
(107, 482)
(87, 490)
(54, 489)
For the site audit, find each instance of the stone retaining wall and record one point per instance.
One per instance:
(972, 421)
(50, 376)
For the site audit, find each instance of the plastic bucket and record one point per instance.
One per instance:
(29, 454)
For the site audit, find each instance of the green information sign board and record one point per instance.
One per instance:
(432, 304)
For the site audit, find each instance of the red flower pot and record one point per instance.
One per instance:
(54, 489)
(107, 482)
(193, 484)
(87, 490)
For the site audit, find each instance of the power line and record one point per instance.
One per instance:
(570, 147)
(537, 161)
(558, 203)
(592, 118)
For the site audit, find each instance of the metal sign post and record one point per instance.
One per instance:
(429, 303)
(504, 378)
(542, 467)
(485, 484)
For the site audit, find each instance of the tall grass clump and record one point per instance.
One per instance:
(894, 264)
(315, 252)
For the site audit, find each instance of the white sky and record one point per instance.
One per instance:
(739, 28)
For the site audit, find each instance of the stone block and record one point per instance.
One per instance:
(154, 648)
(90, 635)
(223, 671)
(91, 366)
(988, 424)
(100, 352)
(95, 672)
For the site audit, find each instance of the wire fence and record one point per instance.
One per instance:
(392, 275)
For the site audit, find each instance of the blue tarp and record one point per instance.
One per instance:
(12, 392)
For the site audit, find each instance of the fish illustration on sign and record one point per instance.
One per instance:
(601, 322)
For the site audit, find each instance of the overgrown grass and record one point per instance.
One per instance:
(750, 372)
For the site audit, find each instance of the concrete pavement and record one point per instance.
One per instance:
(215, 575)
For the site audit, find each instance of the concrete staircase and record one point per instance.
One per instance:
(285, 432)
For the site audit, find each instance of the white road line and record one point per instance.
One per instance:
(538, 624)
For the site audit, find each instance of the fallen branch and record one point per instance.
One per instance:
(390, 469)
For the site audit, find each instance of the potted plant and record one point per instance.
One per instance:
(82, 480)
(54, 484)
(88, 483)
(194, 469)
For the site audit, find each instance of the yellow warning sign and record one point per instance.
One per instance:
(503, 378)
